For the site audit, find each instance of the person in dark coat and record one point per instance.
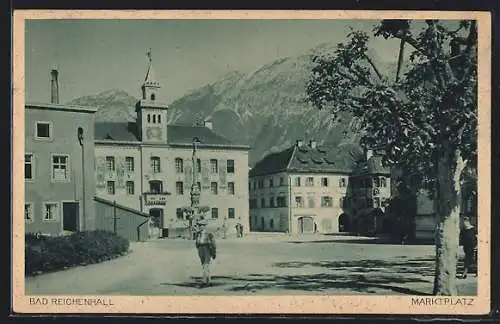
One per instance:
(468, 240)
(205, 244)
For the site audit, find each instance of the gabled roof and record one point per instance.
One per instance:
(124, 132)
(176, 134)
(304, 158)
(373, 166)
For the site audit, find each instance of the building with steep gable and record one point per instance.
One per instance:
(311, 188)
(147, 165)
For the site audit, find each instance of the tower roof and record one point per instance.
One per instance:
(150, 80)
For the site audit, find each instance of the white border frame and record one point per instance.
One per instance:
(259, 304)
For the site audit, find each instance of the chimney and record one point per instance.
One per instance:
(312, 144)
(300, 143)
(208, 122)
(54, 86)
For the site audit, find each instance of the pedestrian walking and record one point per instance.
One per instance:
(468, 240)
(205, 244)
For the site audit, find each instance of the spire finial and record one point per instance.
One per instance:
(150, 55)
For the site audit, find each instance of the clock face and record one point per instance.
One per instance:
(153, 132)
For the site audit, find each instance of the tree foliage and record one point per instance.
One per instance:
(406, 116)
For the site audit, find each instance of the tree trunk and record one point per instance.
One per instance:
(450, 167)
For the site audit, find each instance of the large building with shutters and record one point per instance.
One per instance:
(147, 165)
(311, 188)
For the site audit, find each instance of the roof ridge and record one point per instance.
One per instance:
(294, 148)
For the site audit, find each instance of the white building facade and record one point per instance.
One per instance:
(148, 165)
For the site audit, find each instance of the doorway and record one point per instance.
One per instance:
(343, 223)
(71, 216)
(306, 225)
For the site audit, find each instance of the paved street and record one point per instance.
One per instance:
(257, 264)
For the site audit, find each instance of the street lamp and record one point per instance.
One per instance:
(80, 140)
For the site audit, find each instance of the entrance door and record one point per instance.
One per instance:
(70, 216)
(343, 223)
(306, 225)
(157, 215)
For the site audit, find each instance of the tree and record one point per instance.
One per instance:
(423, 118)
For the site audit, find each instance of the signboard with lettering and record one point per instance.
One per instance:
(155, 199)
(100, 172)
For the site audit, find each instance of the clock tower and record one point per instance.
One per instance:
(151, 114)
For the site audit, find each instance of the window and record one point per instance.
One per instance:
(50, 211)
(271, 202)
(110, 187)
(281, 202)
(342, 182)
(43, 130)
(271, 223)
(159, 119)
(341, 202)
(129, 163)
(214, 188)
(155, 164)
(180, 213)
(282, 181)
(199, 186)
(130, 187)
(260, 183)
(179, 187)
(28, 212)
(110, 163)
(326, 201)
(215, 212)
(262, 203)
(28, 167)
(149, 118)
(230, 188)
(324, 182)
(213, 166)
(297, 181)
(299, 202)
(253, 203)
(249, 186)
(383, 182)
(179, 165)
(153, 97)
(60, 170)
(230, 166)
(271, 182)
(230, 213)
(155, 186)
(310, 202)
(154, 119)
(376, 182)
(310, 181)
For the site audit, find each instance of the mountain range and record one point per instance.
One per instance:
(265, 109)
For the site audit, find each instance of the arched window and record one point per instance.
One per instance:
(153, 97)
(154, 119)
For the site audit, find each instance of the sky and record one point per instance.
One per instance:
(93, 56)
